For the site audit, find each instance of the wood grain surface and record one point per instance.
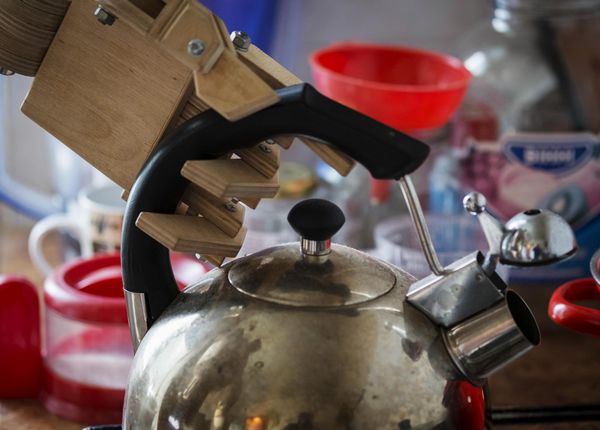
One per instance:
(190, 234)
(214, 209)
(27, 28)
(229, 178)
(106, 92)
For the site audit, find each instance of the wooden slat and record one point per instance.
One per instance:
(198, 104)
(267, 68)
(264, 158)
(232, 89)
(278, 76)
(131, 14)
(252, 203)
(193, 234)
(215, 210)
(224, 33)
(150, 7)
(335, 158)
(229, 178)
(342, 163)
(284, 141)
(215, 260)
(166, 16)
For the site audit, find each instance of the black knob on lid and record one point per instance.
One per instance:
(316, 219)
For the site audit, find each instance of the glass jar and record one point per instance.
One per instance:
(522, 66)
(530, 120)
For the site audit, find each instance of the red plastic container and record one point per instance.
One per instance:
(405, 88)
(563, 310)
(87, 347)
(19, 338)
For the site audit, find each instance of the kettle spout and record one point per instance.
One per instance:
(485, 342)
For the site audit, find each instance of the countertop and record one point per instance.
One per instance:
(564, 369)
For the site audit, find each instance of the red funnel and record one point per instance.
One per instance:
(405, 88)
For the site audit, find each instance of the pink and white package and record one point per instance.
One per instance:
(556, 171)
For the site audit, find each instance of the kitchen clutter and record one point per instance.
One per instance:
(78, 361)
(291, 334)
(530, 122)
(207, 282)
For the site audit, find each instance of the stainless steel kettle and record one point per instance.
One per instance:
(314, 335)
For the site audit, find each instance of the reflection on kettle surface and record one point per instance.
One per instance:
(310, 335)
(244, 362)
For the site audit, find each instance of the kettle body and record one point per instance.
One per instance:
(220, 358)
(310, 335)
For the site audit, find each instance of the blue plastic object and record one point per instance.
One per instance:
(255, 17)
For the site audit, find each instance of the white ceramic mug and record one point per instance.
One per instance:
(95, 220)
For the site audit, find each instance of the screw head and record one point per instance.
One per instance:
(264, 148)
(231, 206)
(196, 47)
(199, 257)
(6, 72)
(474, 203)
(240, 40)
(103, 16)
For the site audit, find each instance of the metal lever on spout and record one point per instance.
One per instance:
(531, 238)
(474, 203)
(416, 214)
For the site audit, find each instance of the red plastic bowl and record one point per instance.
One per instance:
(563, 310)
(405, 88)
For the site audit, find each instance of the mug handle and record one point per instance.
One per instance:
(564, 312)
(41, 230)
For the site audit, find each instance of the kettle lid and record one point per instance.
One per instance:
(312, 273)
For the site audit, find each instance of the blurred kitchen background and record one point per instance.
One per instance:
(525, 135)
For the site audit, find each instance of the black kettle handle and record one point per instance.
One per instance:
(385, 152)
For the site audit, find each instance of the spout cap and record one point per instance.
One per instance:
(536, 237)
